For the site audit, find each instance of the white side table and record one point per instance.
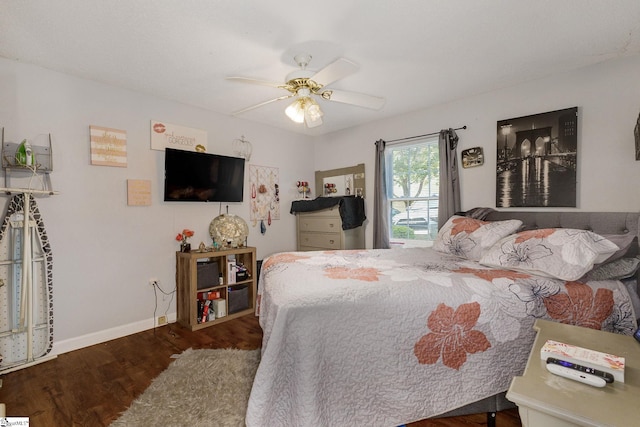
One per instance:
(548, 400)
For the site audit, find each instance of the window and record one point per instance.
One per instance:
(414, 175)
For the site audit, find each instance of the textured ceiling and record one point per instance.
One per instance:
(414, 53)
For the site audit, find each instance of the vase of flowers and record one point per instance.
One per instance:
(182, 238)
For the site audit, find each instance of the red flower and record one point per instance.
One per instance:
(182, 237)
(451, 336)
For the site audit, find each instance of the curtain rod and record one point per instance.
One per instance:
(420, 136)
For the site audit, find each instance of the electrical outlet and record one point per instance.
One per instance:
(162, 320)
(154, 281)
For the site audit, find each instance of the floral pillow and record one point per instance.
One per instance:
(469, 238)
(563, 253)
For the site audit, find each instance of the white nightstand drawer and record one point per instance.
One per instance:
(321, 240)
(320, 224)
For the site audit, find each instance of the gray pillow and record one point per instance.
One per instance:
(619, 269)
(628, 244)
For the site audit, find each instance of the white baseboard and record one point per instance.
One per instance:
(76, 343)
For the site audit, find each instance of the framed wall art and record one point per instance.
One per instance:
(108, 146)
(536, 160)
(472, 157)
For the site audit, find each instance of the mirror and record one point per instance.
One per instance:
(341, 182)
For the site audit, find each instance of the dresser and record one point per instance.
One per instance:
(547, 400)
(322, 229)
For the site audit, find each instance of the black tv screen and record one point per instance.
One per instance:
(202, 177)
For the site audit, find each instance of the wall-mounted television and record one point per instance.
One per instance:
(190, 176)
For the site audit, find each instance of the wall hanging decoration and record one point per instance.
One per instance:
(472, 157)
(138, 192)
(165, 135)
(108, 146)
(242, 148)
(265, 195)
(536, 160)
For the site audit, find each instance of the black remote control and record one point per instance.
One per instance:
(596, 372)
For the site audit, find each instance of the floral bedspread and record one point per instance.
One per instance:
(386, 337)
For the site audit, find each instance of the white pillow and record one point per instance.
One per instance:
(469, 238)
(563, 253)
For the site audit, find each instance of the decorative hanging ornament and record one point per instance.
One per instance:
(242, 148)
(263, 228)
(269, 218)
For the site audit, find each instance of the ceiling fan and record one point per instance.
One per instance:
(304, 85)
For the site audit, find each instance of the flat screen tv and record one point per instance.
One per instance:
(190, 176)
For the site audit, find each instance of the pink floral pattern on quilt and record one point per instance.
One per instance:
(286, 257)
(366, 274)
(579, 306)
(452, 336)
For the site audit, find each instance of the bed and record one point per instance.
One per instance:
(387, 337)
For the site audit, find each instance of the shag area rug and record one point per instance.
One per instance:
(200, 388)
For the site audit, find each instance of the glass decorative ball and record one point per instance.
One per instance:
(228, 230)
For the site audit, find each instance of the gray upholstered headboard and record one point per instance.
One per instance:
(598, 222)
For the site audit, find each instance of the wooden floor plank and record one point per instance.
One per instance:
(94, 385)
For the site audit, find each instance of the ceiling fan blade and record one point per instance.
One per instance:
(354, 98)
(256, 82)
(338, 69)
(244, 110)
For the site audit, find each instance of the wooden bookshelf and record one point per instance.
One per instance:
(204, 274)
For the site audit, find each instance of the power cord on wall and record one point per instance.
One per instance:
(156, 288)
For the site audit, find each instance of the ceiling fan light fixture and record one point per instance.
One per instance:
(312, 111)
(295, 111)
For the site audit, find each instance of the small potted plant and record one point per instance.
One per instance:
(182, 238)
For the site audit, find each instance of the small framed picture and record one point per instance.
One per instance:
(472, 157)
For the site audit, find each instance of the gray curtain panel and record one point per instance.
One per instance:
(449, 197)
(380, 202)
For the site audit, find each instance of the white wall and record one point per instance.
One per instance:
(104, 251)
(608, 100)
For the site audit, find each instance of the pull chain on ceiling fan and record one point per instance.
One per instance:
(304, 85)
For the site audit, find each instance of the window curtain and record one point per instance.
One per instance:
(449, 197)
(380, 202)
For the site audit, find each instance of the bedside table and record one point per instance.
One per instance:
(548, 400)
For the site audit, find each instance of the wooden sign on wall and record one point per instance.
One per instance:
(138, 192)
(108, 146)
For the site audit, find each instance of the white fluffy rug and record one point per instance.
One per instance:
(200, 388)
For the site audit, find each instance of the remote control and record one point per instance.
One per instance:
(572, 374)
(607, 377)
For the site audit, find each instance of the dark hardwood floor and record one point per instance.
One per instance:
(93, 385)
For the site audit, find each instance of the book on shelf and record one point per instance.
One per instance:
(583, 356)
(232, 270)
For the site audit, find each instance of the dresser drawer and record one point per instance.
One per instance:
(319, 224)
(320, 240)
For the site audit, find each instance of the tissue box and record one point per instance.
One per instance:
(585, 357)
(220, 307)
